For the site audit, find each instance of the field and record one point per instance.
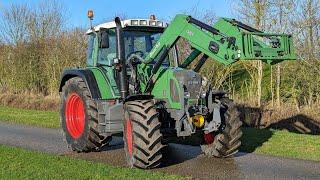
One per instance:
(47, 119)
(15, 164)
(260, 141)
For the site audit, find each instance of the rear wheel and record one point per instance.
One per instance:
(226, 142)
(142, 137)
(79, 117)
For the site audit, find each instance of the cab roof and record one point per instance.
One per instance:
(132, 23)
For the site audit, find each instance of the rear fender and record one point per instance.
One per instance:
(88, 78)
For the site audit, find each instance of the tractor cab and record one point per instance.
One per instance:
(140, 36)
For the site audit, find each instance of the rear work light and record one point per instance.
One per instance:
(143, 22)
(134, 22)
(152, 23)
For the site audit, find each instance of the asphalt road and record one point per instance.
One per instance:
(179, 159)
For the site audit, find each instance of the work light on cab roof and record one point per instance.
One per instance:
(151, 22)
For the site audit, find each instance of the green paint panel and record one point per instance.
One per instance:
(105, 87)
(162, 88)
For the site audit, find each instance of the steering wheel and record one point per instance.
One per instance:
(139, 53)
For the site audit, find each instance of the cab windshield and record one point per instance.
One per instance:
(138, 42)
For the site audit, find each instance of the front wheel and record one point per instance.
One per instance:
(142, 136)
(226, 141)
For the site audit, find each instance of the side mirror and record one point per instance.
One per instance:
(104, 39)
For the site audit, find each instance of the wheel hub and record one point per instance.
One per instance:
(75, 116)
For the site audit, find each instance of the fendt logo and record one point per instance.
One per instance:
(189, 32)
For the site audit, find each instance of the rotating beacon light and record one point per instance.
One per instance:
(90, 16)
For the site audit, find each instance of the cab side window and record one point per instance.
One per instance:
(106, 55)
(90, 48)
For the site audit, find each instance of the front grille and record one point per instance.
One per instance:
(190, 80)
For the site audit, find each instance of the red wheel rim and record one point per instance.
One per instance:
(208, 138)
(129, 136)
(75, 116)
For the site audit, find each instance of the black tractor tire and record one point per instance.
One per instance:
(142, 137)
(226, 141)
(79, 117)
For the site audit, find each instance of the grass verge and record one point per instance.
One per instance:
(261, 141)
(17, 163)
(48, 119)
(281, 143)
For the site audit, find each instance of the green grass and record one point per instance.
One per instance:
(38, 118)
(17, 163)
(281, 143)
(264, 141)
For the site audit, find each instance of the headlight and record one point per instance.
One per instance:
(203, 95)
(204, 81)
(186, 94)
(134, 22)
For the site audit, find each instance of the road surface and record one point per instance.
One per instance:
(180, 159)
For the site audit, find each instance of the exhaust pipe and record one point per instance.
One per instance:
(121, 64)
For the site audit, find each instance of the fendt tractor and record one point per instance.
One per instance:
(135, 84)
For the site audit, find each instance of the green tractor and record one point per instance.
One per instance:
(135, 84)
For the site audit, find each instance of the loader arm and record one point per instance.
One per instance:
(183, 26)
(226, 42)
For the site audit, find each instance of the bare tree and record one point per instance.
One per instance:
(47, 20)
(282, 10)
(256, 13)
(14, 23)
(306, 24)
(38, 46)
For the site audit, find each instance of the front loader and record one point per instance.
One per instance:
(135, 83)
